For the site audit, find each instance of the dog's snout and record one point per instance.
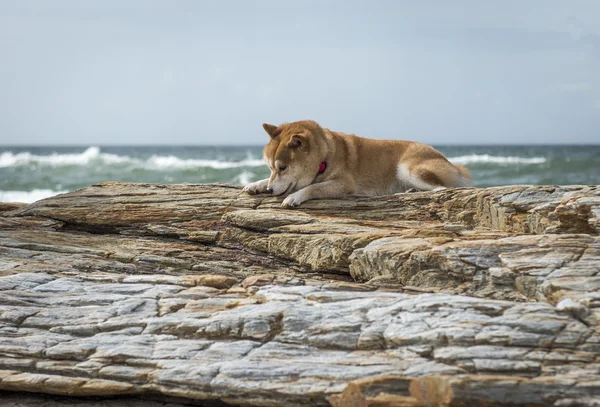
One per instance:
(269, 190)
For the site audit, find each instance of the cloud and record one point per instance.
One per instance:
(144, 71)
(575, 87)
(583, 33)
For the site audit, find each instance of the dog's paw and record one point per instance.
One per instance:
(294, 199)
(257, 187)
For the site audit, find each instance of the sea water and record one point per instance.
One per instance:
(30, 173)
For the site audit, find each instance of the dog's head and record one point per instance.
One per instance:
(293, 155)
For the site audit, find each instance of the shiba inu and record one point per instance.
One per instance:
(308, 161)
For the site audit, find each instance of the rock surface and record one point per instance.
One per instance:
(202, 294)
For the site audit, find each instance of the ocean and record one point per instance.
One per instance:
(28, 174)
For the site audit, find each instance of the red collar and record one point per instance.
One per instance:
(322, 167)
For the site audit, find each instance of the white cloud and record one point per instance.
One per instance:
(575, 87)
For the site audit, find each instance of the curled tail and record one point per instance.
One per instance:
(465, 179)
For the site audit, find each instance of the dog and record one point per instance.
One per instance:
(308, 161)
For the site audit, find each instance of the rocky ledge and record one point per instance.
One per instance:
(204, 295)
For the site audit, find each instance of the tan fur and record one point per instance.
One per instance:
(355, 165)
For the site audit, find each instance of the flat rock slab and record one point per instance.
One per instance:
(21, 399)
(203, 294)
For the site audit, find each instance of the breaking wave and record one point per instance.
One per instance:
(10, 159)
(27, 196)
(492, 159)
(93, 155)
(243, 178)
(166, 162)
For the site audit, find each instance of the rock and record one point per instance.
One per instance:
(576, 308)
(203, 294)
(10, 206)
(21, 399)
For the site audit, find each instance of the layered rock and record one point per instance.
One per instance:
(202, 293)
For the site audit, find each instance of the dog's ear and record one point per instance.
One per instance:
(297, 141)
(271, 130)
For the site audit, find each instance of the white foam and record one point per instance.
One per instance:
(93, 154)
(27, 196)
(244, 178)
(166, 162)
(501, 160)
(9, 159)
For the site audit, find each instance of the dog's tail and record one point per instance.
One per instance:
(464, 179)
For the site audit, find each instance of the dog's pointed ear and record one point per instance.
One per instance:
(297, 141)
(271, 130)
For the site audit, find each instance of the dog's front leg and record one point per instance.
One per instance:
(322, 190)
(257, 187)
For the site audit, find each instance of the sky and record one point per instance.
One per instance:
(104, 72)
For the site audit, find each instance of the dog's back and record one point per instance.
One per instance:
(380, 167)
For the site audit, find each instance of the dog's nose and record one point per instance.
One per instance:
(269, 190)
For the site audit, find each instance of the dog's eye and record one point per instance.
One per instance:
(282, 167)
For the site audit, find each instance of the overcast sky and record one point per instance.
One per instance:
(210, 72)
